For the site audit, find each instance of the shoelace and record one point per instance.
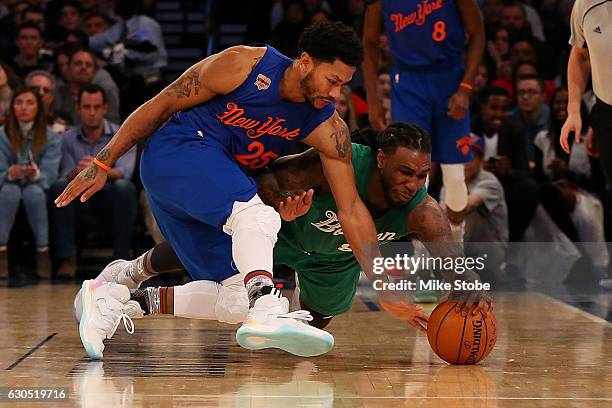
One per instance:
(298, 315)
(128, 327)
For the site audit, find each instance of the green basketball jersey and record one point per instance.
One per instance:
(316, 248)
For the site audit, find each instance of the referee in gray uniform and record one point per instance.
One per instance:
(591, 42)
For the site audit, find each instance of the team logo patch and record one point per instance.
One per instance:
(262, 82)
(465, 144)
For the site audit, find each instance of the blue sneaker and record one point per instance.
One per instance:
(270, 325)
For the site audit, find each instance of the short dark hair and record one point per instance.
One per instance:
(32, 9)
(393, 136)
(326, 41)
(29, 24)
(101, 14)
(539, 80)
(492, 91)
(400, 134)
(74, 4)
(91, 89)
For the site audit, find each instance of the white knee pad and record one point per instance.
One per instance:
(453, 178)
(254, 227)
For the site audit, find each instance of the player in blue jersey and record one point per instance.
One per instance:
(431, 80)
(207, 134)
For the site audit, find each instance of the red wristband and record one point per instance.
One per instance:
(101, 165)
(466, 85)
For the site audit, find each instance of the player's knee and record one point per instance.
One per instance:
(453, 177)
(253, 215)
(232, 304)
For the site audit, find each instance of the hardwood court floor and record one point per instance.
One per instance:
(548, 355)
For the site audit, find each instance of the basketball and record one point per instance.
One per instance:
(459, 339)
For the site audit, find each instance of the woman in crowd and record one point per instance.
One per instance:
(29, 161)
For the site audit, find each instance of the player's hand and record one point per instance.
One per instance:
(458, 104)
(474, 301)
(376, 115)
(90, 180)
(84, 162)
(296, 206)
(573, 123)
(404, 310)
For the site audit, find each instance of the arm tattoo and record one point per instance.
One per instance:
(90, 172)
(185, 84)
(343, 141)
(104, 154)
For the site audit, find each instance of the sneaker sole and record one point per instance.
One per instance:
(289, 339)
(87, 302)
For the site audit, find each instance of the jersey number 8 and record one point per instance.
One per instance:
(439, 32)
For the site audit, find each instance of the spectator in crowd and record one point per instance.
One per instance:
(36, 15)
(29, 43)
(346, 108)
(481, 80)
(76, 38)
(141, 37)
(531, 112)
(82, 71)
(8, 82)
(486, 213)
(44, 83)
(312, 7)
(80, 145)
(97, 22)
(60, 68)
(8, 27)
(505, 155)
(492, 11)
(515, 16)
(285, 36)
(71, 18)
(29, 158)
(319, 16)
(525, 69)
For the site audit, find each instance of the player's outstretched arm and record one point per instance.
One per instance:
(372, 29)
(333, 141)
(428, 224)
(218, 74)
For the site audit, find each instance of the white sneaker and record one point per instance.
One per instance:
(117, 271)
(270, 325)
(104, 306)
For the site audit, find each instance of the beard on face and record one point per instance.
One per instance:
(387, 192)
(308, 89)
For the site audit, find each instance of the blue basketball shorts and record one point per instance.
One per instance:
(192, 183)
(421, 97)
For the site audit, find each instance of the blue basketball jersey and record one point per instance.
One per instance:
(423, 34)
(253, 123)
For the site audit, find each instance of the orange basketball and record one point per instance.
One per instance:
(459, 339)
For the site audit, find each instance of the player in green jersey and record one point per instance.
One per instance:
(390, 169)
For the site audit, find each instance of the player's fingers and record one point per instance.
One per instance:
(88, 193)
(418, 326)
(70, 193)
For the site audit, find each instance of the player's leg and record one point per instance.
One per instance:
(450, 147)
